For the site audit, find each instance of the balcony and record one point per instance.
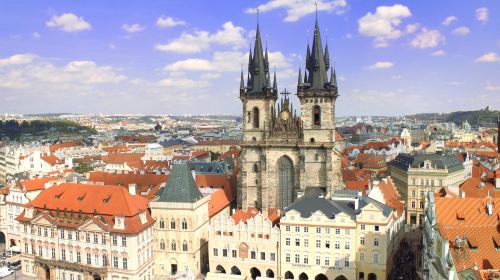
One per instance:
(70, 266)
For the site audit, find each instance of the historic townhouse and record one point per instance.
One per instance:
(181, 230)
(78, 232)
(346, 236)
(245, 244)
(416, 174)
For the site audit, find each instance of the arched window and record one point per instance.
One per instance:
(316, 115)
(311, 140)
(172, 224)
(184, 224)
(162, 223)
(162, 245)
(254, 139)
(255, 168)
(255, 117)
(285, 181)
(173, 246)
(184, 246)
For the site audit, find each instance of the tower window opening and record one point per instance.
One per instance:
(317, 115)
(256, 117)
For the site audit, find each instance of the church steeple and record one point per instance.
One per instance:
(317, 65)
(258, 69)
(242, 81)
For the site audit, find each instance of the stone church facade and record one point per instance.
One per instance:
(282, 152)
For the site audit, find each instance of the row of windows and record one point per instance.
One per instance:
(173, 246)
(326, 260)
(375, 241)
(421, 205)
(253, 254)
(347, 244)
(425, 182)
(75, 235)
(374, 259)
(184, 224)
(318, 230)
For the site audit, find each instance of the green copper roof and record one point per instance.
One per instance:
(181, 186)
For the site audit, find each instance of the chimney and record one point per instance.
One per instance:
(356, 200)
(132, 189)
(489, 208)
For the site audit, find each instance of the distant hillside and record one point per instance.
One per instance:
(40, 128)
(481, 117)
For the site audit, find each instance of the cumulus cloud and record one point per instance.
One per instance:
(132, 28)
(69, 22)
(27, 72)
(438, 53)
(381, 65)
(410, 28)
(183, 83)
(462, 30)
(427, 39)
(449, 20)
(384, 24)
(482, 14)
(167, 22)
(224, 62)
(488, 57)
(17, 59)
(296, 9)
(230, 35)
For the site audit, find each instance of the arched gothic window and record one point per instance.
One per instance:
(173, 246)
(184, 246)
(316, 115)
(162, 245)
(285, 181)
(184, 224)
(172, 224)
(162, 223)
(255, 117)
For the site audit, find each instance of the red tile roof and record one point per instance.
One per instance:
(243, 216)
(476, 187)
(391, 196)
(121, 158)
(51, 159)
(143, 181)
(37, 184)
(477, 226)
(53, 148)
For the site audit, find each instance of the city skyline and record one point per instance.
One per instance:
(160, 58)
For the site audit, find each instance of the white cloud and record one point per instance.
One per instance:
(410, 28)
(489, 57)
(166, 22)
(35, 35)
(296, 9)
(397, 77)
(427, 39)
(438, 53)
(383, 24)
(183, 83)
(69, 22)
(449, 20)
(133, 28)
(201, 40)
(490, 87)
(27, 73)
(462, 30)
(482, 14)
(381, 65)
(224, 62)
(17, 59)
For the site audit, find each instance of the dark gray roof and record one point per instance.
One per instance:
(180, 186)
(201, 167)
(440, 160)
(313, 200)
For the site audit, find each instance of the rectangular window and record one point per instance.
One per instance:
(337, 244)
(421, 205)
(337, 231)
(287, 241)
(375, 242)
(216, 252)
(224, 253)
(263, 256)
(62, 233)
(421, 194)
(287, 228)
(272, 256)
(413, 204)
(78, 257)
(105, 260)
(103, 239)
(125, 265)
(253, 255)
(377, 228)
(297, 242)
(89, 259)
(327, 261)
(287, 258)
(115, 240)
(124, 241)
(297, 258)
(96, 259)
(77, 236)
(45, 232)
(346, 231)
(306, 229)
(63, 254)
(346, 261)
(327, 244)
(327, 230)
(40, 251)
(306, 243)
(362, 240)
(96, 238)
(87, 237)
(318, 260)
(318, 230)
(70, 235)
(115, 262)
(306, 259)
(53, 253)
(361, 256)
(363, 227)
(234, 253)
(347, 245)
(375, 258)
(52, 233)
(337, 261)
(26, 248)
(297, 229)
(39, 231)
(318, 243)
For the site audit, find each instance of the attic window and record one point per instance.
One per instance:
(460, 216)
(80, 198)
(106, 200)
(496, 241)
(473, 244)
(57, 196)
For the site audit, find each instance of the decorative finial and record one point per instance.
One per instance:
(258, 9)
(316, 4)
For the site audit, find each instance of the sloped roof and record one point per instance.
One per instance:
(181, 186)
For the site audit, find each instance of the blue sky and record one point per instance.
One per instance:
(184, 57)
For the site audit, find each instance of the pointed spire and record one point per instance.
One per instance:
(242, 81)
(275, 83)
(333, 77)
(250, 59)
(317, 68)
(308, 55)
(300, 81)
(266, 59)
(305, 77)
(327, 56)
(258, 70)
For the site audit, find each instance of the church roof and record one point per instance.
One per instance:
(180, 186)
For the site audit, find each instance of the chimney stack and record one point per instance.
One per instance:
(132, 189)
